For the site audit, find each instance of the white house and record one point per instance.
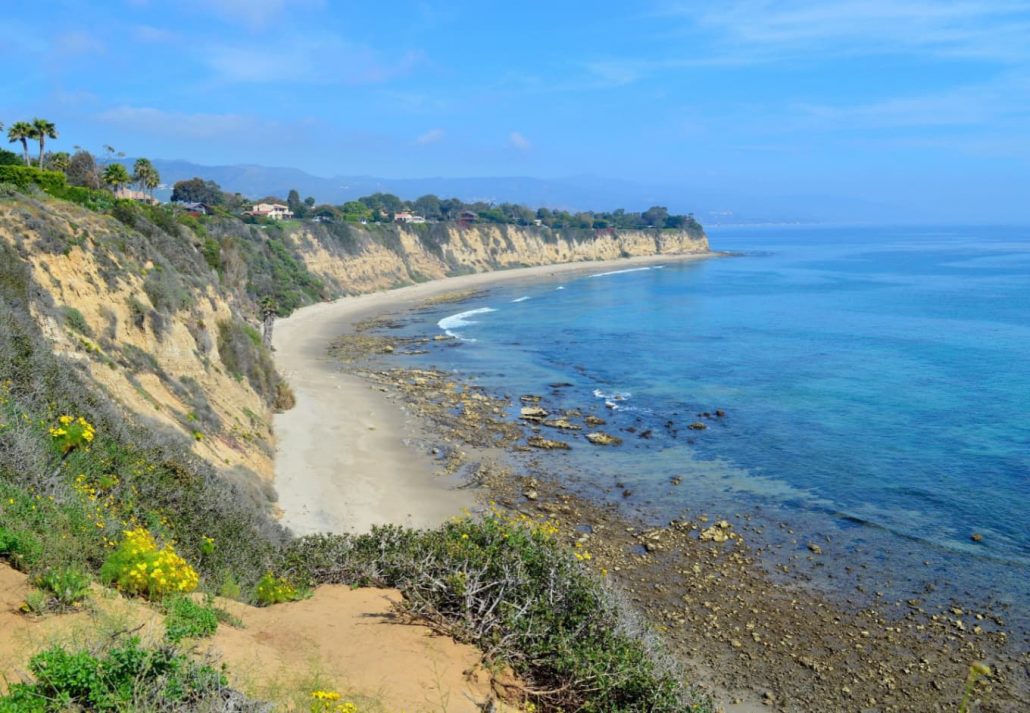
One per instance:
(275, 211)
(409, 218)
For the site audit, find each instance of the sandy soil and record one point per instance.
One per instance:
(344, 460)
(339, 639)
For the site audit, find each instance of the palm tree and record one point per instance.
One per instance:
(116, 176)
(146, 175)
(21, 131)
(42, 130)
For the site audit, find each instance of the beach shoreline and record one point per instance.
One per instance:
(741, 633)
(345, 454)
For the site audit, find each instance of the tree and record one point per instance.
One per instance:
(197, 190)
(116, 176)
(428, 206)
(146, 175)
(309, 201)
(9, 158)
(42, 130)
(655, 216)
(58, 161)
(294, 204)
(82, 170)
(21, 131)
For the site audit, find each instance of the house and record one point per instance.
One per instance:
(275, 211)
(192, 208)
(411, 218)
(130, 195)
(467, 216)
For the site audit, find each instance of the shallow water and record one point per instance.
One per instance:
(876, 383)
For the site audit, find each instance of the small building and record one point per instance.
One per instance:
(467, 217)
(192, 208)
(410, 218)
(130, 195)
(273, 211)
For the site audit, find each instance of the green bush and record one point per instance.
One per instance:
(74, 319)
(184, 618)
(26, 176)
(244, 356)
(275, 590)
(67, 585)
(125, 677)
(507, 586)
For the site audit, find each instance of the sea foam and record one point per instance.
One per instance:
(619, 272)
(521, 299)
(456, 321)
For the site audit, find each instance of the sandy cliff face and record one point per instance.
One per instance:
(166, 370)
(379, 257)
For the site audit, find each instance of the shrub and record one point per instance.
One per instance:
(74, 319)
(26, 176)
(71, 433)
(184, 618)
(507, 585)
(125, 677)
(244, 355)
(274, 590)
(68, 585)
(138, 566)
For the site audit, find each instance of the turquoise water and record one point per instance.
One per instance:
(876, 384)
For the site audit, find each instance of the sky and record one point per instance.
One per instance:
(924, 104)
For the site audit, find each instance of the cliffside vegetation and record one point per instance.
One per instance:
(135, 386)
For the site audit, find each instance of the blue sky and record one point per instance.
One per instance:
(919, 102)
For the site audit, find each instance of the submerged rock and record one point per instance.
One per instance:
(697, 426)
(547, 444)
(603, 439)
(532, 413)
(529, 399)
(595, 421)
(562, 423)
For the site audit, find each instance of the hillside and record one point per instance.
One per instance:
(136, 396)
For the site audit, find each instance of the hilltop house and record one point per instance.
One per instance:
(275, 211)
(131, 195)
(193, 208)
(409, 218)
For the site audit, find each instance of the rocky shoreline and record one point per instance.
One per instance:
(760, 643)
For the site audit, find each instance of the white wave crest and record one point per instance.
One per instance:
(521, 299)
(456, 321)
(619, 272)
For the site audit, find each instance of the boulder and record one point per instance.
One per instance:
(547, 444)
(562, 423)
(599, 438)
(532, 413)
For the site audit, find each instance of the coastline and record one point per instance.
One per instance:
(345, 458)
(760, 642)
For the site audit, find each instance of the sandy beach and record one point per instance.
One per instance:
(346, 457)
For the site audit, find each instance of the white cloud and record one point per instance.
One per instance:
(149, 120)
(762, 30)
(431, 137)
(310, 59)
(256, 14)
(518, 141)
(151, 34)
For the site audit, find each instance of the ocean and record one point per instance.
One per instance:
(875, 384)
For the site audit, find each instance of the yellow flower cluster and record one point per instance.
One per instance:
(71, 432)
(274, 590)
(138, 566)
(326, 702)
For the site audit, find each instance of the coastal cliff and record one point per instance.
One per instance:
(353, 259)
(163, 314)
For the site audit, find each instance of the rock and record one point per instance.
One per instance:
(441, 337)
(815, 549)
(697, 426)
(675, 480)
(594, 421)
(720, 413)
(547, 444)
(531, 495)
(603, 439)
(529, 399)
(532, 413)
(715, 533)
(976, 537)
(645, 434)
(560, 385)
(562, 423)
(388, 349)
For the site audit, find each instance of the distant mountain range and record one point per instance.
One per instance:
(711, 206)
